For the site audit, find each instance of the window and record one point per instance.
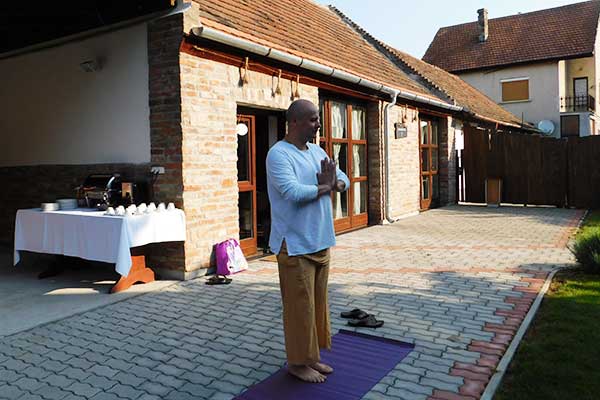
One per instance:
(344, 137)
(569, 125)
(515, 89)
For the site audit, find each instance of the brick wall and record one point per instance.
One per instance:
(164, 39)
(375, 150)
(404, 165)
(210, 96)
(447, 161)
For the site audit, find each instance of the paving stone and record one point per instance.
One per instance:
(15, 364)
(100, 382)
(83, 389)
(106, 396)
(126, 391)
(405, 394)
(51, 392)
(143, 372)
(57, 380)
(103, 370)
(10, 392)
(156, 388)
(126, 378)
(437, 384)
(171, 381)
(31, 372)
(196, 390)
(80, 363)
(197, 378)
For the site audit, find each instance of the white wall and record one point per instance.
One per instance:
(51, 112)
(544, 100)
(580, 68)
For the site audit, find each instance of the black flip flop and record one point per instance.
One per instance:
(368, 322)
(357, 313)
(218, 280)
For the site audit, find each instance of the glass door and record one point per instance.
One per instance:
(429, 161)
(246, 183)
(343, 136)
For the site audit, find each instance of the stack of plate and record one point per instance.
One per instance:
(67, 204)
(50, 206)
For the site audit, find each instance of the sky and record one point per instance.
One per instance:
(411, 25)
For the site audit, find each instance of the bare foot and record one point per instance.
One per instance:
(306, 373)
(322, 368)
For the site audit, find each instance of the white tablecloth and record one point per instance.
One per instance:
(91, 235)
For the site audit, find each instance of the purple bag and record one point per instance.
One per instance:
(230, 259)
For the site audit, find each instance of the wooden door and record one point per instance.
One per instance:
(344, 137)
(429, 162)
(246, 167)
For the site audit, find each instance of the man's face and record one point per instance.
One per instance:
(309, 124)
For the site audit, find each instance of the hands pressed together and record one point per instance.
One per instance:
(327, 178)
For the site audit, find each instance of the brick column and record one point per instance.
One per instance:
(164, 39)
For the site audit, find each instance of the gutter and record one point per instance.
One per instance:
(269, 52)
(180, 7)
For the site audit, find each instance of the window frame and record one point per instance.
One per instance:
(562, 126)
(513, 80)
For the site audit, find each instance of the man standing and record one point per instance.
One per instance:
(300, 179)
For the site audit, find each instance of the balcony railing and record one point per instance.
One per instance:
(577, 103)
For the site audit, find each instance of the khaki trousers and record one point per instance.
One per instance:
(303, 283)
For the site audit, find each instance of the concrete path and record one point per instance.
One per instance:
(26, 301)
(456, 282)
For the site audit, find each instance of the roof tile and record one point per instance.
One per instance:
(308, 30)
(554, 33)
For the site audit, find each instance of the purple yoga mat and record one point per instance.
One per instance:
(359, 361)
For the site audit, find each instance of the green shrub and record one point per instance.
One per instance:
(587, 250)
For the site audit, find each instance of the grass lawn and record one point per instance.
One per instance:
(559, 357)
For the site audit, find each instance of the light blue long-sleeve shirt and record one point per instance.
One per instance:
(304, 220)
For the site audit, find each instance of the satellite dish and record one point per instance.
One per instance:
(546, 126)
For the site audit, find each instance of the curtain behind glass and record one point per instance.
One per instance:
(338, 121)
(337, 212)
(358, 124)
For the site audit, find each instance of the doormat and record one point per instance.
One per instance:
(271, 258)
(359, 361)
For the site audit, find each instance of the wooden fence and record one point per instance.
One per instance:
(534, 170)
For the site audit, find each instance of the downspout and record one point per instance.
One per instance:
(386, 140)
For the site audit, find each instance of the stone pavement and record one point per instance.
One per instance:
(456, 282)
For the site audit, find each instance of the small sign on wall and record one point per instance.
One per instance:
(400, 130)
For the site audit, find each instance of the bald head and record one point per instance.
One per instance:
(303, 121)
(299, 109)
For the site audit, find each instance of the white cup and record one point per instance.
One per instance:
(171, 207)
(161, 207)
(120, 210)
(151, 208)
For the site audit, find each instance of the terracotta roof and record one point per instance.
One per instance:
(308, 30)
(457, 90)
(554, 33)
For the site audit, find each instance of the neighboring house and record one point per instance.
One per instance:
(540, 66)
(203, 92)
